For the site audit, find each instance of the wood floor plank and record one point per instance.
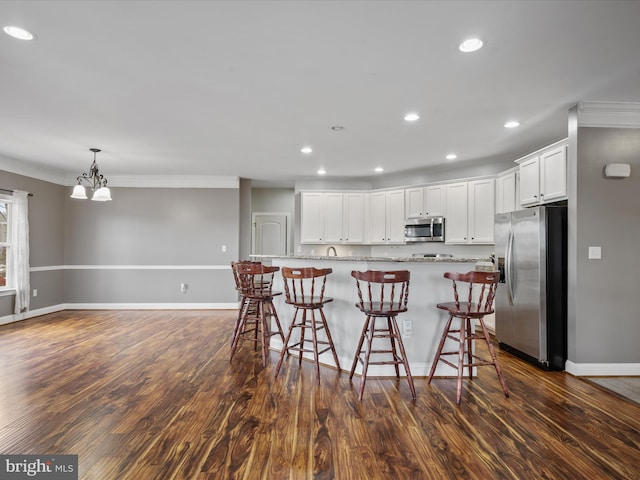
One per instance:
(152, 395)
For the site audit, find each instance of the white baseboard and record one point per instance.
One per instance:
(116, 306)
(602, 369)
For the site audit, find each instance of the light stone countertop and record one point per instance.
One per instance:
(355, 258)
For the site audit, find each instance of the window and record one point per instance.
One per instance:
(5, 211)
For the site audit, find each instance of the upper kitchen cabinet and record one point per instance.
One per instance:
(353, 224)
(543, 175)
(470, 212)
(507, 191)
(313, 209)
(332, 217)
(423, 202)
(386, 222)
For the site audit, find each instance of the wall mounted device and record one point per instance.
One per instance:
(617, 170)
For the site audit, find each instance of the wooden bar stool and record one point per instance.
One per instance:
(243, 298)
(382, 295)
(304, 289)
(255, 282)
(485, 284)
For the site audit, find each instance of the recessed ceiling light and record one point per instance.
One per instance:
(322, 171)
(470, 45)
(451, 156)
(511, 124)
(378, 169)
(411, 117)
(306, 150)
(19, 33)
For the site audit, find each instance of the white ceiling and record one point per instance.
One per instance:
(237, 88)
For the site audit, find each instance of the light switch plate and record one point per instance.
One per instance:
(595, 253)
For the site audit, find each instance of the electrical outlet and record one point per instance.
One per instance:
(595, 253)
(407, 328)
(224, 248)
(35, 292)
(183, 287)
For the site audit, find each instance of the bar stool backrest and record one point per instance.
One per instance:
(305, 285)
(482, 284)
(381, 292)
(236, 274)
(255, 279)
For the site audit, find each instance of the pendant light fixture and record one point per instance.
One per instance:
(95, 180)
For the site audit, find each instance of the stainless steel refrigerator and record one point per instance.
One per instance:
(531, 302)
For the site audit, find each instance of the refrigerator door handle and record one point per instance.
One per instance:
(508, 269)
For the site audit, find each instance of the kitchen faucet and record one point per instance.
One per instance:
(329, 249)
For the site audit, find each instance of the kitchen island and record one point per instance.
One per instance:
(427, 288)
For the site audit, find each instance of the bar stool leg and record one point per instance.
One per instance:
(285, 345)
(469, 335)
(494, 358)
(359, 349)
(264, 331)
(303, 332)
(314, 338)
(365, 367)
(405, 362)
(392, 339)
(461, 360)
(274, 313)
(331, 345)
(440, 347)
(241, 326)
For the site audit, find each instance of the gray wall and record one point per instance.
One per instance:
(603, 314)
(136, 249)
(153, 231)
(46, 239)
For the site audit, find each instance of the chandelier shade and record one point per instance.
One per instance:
(95, 181)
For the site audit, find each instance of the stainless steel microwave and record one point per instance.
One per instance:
(429, 229)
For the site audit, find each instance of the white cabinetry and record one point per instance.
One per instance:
(470, 212)
(313, 208)
(332, 217)
(353, 230)
(425, 201)
(506, 191)
(543, 176)
(386, 222)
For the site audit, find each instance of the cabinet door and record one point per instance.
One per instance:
(333, 219)
(353, 211)
(481, 211)
(434, 200)
(553, 175)
(530, 181)
(506, 193)
(395, 216)
(378, 218)
(456, 217)
(414, 202)
(312, 217)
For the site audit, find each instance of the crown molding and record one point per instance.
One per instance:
(609, 114)
(31, 170)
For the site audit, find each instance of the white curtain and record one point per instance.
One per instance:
(20, 250)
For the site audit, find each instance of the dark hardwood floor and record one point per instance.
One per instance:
(152, 395)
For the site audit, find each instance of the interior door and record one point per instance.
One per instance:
(270, 233)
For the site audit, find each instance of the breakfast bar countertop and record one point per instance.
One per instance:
(354, 258)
